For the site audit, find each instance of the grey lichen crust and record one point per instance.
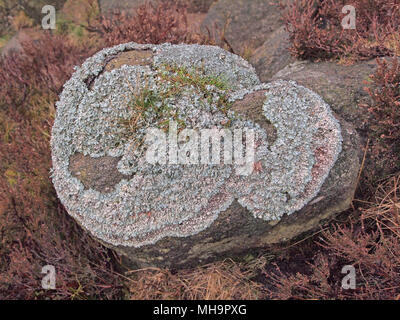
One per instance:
(153, 201)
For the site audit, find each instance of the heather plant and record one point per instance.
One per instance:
(385, 93)
(369, 241)
(383, 122)
(150, 23)
(316, 30)
(35, 229)
(44, 65)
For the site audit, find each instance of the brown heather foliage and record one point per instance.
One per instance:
(370, 242)
(165, 22)
(383, 122)
(44, 66)
(385, 111)
(316, 32)
(34, 228)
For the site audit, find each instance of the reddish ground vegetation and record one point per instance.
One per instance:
(385, 115)
(383, 124)
(35, 230)
(316, 30)
(369, 241)
(165, 22)
(44, 65)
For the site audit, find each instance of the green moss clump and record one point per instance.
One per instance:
(153, 106)
(180, 76)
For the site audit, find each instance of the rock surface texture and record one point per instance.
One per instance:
(342, 87)
(241, 25)
(179, 210)
(273, 55)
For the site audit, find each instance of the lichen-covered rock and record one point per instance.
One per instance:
(298, 166)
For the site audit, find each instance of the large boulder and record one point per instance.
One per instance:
(134, 165)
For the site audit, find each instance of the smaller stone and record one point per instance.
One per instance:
(273, 55)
